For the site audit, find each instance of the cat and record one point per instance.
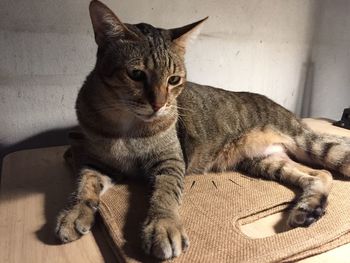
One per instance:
(140, 116)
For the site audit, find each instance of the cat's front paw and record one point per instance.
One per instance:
(76, 221)
(164, 238)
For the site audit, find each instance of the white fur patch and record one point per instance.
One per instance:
(273, 149)
(318, 187)
(107, 183)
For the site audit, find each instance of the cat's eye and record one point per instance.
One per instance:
(137, 75)
(174, 80)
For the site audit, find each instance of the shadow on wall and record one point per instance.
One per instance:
(306, 86)
(306, 79)
(54, 137)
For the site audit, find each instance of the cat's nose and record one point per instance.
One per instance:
(156, 106)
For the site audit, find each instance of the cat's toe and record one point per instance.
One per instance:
(164, 238)
(67, 233)
(307, 211)
(65, 228)
(82, 227)
(84, 223)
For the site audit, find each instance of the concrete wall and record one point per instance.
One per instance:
(330, 86)
(47, 48)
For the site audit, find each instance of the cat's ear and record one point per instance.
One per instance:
(106, 24)
(182, 36)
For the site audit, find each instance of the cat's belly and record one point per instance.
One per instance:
(254, 144)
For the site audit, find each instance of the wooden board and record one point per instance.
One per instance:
(35, 185)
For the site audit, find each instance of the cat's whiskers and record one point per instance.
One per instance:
(177, 115)
(180, 112)
(181, 108)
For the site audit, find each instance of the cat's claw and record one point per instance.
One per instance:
(164, 238)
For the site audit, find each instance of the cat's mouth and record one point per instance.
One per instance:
(151, 117)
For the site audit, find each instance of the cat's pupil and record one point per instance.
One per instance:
(173, 80)
(137, 75)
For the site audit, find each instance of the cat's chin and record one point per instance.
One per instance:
(148, 118)
(151, 117)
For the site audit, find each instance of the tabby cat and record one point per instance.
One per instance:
(140, 116)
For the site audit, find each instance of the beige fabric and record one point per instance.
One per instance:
(216, 205)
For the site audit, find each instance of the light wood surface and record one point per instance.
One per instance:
(35, 185)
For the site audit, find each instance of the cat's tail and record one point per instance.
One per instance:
(329, 151)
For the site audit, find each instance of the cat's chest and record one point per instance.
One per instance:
(119, 154)
(130, 148)
(128, 153)
(122, 151)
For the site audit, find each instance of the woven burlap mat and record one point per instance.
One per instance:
(214, 207)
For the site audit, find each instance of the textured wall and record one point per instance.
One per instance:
(47, 48)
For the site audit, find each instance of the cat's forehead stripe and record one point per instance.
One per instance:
(158, 48)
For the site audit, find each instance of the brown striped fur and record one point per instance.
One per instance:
(140, 117)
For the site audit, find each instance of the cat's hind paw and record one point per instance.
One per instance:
(307, 211)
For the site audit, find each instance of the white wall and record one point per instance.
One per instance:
(47, 48)
(330, 87)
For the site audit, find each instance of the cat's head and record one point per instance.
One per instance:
(142, 67)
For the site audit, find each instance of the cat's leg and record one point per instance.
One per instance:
(315, 184)
(163, 234)
(329, 151)
(78, 217)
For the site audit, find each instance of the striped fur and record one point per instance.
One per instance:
(143, 123)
